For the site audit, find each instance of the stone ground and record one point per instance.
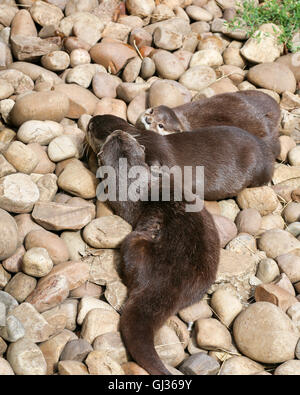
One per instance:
(62, 61)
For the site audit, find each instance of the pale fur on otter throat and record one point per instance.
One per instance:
(143, 120)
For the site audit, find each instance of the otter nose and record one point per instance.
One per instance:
(148, 120)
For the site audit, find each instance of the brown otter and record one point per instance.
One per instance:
(168, 261)
(233, 159)
(253, 111)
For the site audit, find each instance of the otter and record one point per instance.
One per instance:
(168, 261)
(233, 159)
(254, 111)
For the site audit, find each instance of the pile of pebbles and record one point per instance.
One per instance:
(63, 61)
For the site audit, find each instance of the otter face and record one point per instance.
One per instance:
(120, 144)
(161, 120)
(100, 127)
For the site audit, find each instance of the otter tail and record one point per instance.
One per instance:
(138, 334)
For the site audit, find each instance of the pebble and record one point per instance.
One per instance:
(264, 333)
(131, 368)
(206, 57)
(106, 232)
(273, 76)
(76, 350)
(288, 368)
(18, 193)
(72, 368)
(2, 314)
(26, 358)
(53, 347)
(53, 106)
(264, 50)
(226, 306)
(5, 368)
(248, 221)
(37, 262)
(81, 100)
(112, 106)
(8, 300)
(105, 85)
(13, 330)
(140, 8)
(111, 343)
(198, 13)
(294, 156)
(104, 266)
(89, 303)
(37, 329)
(5, 167)
(87, 289)
(9, 235)
(79, 56)
(212, 335)
(198, 77)
(229, 208)
(20, 286)
(76, 273)
(234, 273)
(275, 294)
(116, 294)
(44, 166)
(290, 265)
(75, 244)
(267, 270)
(196, 311)
(271, 221)
(112, 55)
(56, 61)
(294, 313)
(167, 65)
(263, 199)
(168, 346)
(297, 351)
(240, 365)
(78, 180)
(99, 363)
(286, 145)
(226, 229)
(41, 132)
(277, 242)
(6, 89)
(56, 247)
(4, 277)
(50, 293)
(168, 93)
(166, 39)
(200, 364)
(97, 322)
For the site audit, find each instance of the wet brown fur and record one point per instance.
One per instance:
(253, 111)
(168, 261)
(233, 159)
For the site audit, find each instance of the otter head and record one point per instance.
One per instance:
(100, 127)
(161, 120)
(121, 144)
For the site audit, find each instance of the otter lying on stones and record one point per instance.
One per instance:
(253, 111)
(168, 261)
(233, 159)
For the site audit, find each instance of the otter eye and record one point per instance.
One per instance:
(160, 125)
